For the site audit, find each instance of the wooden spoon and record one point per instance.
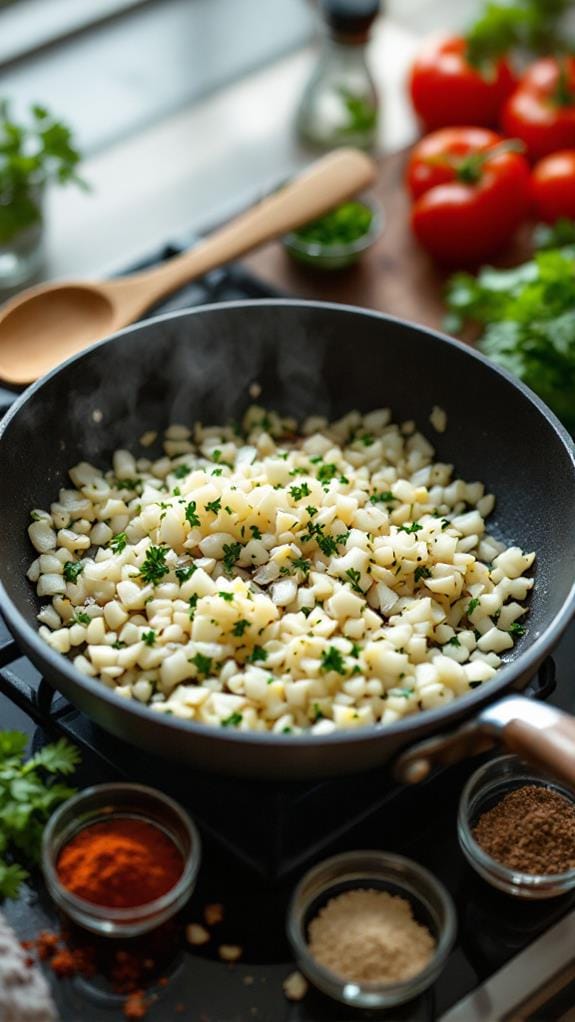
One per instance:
(43, 325)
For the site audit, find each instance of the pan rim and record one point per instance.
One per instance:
(465, 706)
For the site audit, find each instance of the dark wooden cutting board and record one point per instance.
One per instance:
(395, 276)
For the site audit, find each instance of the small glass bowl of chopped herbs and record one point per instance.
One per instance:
(339, 238)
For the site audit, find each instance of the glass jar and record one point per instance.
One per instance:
(484, 789)
(21, 251)
(383, 871)
(103, 803)
(340, 105)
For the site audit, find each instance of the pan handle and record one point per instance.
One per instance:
(540, 734)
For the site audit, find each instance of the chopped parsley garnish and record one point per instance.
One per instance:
(72, 569)
(302, 565)
(367, 439)
(233, 720)
(228, 597)
(240, 627)
(258, 653)
(216, 472)
(183, 574)
(129, 484)
(192, 603)
(311, 510)
(382, 497)
(516, 630)
(154, 567)
(81, 618)
(231, 553)
(191, 514)
(405, 692)
(472, 605)
(255, 532)
(214, 505)
(327, 544)
(202, 663)
(414, 527)
(353, 576)
(181, 471)
(176, 492)
(326, 473)
(355, 650)
(149, 637)
(453, 641)
(118, 644)
(317, 714)
(216, 456)
(332, 660)
(297, 492)
(421, 572)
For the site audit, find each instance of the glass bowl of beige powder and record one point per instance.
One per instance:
(516, 827)
(371, 929)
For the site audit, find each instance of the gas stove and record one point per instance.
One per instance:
(512, 959)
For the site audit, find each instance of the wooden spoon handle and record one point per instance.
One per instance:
(329, 181)
(552, 748)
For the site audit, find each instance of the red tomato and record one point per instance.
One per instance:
(470, 193)
(446, 90)
(541, 111)
(553, 186)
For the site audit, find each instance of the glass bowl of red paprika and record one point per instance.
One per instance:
(120, 859)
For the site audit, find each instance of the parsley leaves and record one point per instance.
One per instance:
(154, 567)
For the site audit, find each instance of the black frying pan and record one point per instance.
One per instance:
(309, 358)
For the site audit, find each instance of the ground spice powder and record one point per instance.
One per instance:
(366, 935)
(120, 864)
(531, 830)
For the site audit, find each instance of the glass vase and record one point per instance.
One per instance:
(22, 252)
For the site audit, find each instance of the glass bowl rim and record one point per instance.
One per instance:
(316, 250)
(444, 939)
(513, 877)
(134, 914)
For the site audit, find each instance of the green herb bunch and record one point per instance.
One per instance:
(530, 25)
(528, 318)
(29, 792)
(30, 156)
(342, 226)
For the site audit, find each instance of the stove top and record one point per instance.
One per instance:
(257, 838)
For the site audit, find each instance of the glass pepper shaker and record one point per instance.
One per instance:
(340, 104)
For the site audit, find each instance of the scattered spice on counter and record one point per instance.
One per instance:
(295, 986)
(213, 914)
(120, 863)
(367, 935)
(532, 830)
(196, 934)
(230, 952)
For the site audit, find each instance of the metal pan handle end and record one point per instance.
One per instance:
(538, 733)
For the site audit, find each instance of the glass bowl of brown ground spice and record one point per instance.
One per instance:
(120, 859)
(371, 929)
(516, 828)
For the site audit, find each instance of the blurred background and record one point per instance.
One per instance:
(183, 110)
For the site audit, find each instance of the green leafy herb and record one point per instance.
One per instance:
(414, 527)
(192, 604)
(154, 567)
(191, 514)
(181, 471)
(354, 576)
(341, 226)
(472, 606)
(118, 644)
(504, 25)
(332, 660)
(453, 641)
(72, 569)
(302, 565)
(297, 492)
(231, 553)
(528, 319)
(228, 597)
(29, 792)
(240, 627)
(257, 654)
(183, 574)
(31, 155)
(326, 473)
(214, 505)
(367, 439)
(81, 617)
(517, 630)
(421, 572)
(255, 532)
(233, 720)
(149, 637)
(382, 498)
(317, 714)
(202, 663)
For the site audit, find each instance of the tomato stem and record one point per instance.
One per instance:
(471, 167)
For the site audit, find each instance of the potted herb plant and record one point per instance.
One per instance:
(31, 155)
